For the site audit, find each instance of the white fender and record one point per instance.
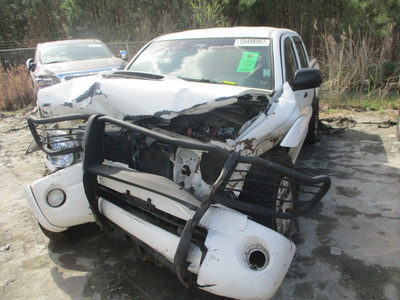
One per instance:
(297, 133)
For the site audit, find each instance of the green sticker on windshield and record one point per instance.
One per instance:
(248, 62)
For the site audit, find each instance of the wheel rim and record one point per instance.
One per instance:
(284, 203)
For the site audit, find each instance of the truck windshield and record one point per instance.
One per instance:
(237, 61)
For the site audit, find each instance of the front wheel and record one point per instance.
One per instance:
(277, 190)
(62, 236)
(71, 233)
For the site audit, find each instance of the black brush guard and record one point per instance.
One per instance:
(43, 130)
(310, 190)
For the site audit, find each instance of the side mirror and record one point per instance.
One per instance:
(306, 79)
(123, 55)
(30, 65)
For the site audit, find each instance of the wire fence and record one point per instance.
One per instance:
(14, 57)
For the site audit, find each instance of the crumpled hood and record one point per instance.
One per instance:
(137, 97)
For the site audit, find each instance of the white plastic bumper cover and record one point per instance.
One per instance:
(74, 211)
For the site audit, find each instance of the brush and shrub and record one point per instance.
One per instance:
(358, 73)
(16, 90)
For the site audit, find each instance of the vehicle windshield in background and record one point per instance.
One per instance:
(236, 61)
(71, 52)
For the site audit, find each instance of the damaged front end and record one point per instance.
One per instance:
(178, 171)
(182, 201)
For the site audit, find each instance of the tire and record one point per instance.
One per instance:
(62, 236)
(68, 235)
(313, 127)
(283, 188)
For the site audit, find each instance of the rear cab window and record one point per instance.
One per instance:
(301, 52)
(290, 60)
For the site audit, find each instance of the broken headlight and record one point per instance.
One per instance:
(45, 81)
(60, 143)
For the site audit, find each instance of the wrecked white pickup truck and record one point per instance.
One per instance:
(189, 151)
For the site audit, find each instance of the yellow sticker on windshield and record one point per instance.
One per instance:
(248, 62)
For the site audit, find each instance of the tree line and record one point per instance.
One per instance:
(116, 20)
(356, 38)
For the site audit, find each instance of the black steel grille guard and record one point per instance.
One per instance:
(312, 187)
(42, 130)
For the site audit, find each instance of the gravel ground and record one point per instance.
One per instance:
(348, 248)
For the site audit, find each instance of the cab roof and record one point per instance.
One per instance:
(233, 32)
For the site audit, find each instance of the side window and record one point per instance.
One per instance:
(300, 51)
(290, 61)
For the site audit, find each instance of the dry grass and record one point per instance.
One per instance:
(364, 102)
(356, 62)
(354, 73)
(16, 89)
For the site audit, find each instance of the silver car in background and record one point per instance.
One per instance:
(59, 61)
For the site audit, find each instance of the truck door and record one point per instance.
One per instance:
(294, 59)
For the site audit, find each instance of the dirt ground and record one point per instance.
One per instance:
(348, 248)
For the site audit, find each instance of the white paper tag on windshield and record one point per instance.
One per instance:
(252, 42)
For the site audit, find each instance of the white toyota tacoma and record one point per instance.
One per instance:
(189, 152)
